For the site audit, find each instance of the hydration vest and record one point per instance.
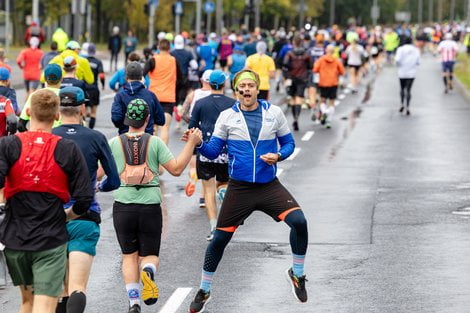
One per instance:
(36, 169)
(137, 172)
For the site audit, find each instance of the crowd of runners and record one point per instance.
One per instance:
(52, 161)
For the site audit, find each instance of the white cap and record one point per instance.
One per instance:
(448, 36)
(84, 50)
(206, 75)
(34, 42)
(116, 30)
(213, 36)
(179, 42)
(161, 35)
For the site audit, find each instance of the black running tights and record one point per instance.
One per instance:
(405, 90)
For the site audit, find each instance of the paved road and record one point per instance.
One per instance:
(378, 190)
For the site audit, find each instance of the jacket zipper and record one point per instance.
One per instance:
(257, 139)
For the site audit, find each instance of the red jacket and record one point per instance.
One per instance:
(30, 61)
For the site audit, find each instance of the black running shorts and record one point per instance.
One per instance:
(328, 92)
(207, 170)
(93, 96)
(297, 89)
(168, 107)
(243, 198)
(138, 227)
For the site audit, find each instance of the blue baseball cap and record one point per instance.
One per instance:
(4, 73)
(217, 77)
(53, 73)
(71, 96)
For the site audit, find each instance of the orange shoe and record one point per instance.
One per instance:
(191, 185)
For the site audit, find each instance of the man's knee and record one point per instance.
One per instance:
(296, 219)
(221, 239)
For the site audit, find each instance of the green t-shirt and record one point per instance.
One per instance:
(158, 153)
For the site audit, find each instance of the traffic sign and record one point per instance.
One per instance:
(178, 8)
(209, 7)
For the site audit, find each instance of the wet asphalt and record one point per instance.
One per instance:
(378, 189)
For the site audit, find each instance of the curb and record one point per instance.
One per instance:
(462, 89)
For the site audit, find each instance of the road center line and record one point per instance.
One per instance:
(308, 135)
(175, 301)
(294, 154)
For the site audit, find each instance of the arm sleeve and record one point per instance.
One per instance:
(117, 112)
(159, 116)
(23, 114)
(149, 66)
(113, 81)
(19, 59)
(195, 116)
(212, 149)
(112, 180)
(88, 76)
(316, 66)
(71, 160)
(101, 74)
(10, 149)
(284, 136)
(14, 102)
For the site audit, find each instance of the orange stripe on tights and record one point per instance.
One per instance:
(230, 229)
(284, 214)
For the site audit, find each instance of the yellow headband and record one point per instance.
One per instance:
(246, 75)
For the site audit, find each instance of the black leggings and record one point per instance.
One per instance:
(405, 90)
(298, 240)
(114, 57)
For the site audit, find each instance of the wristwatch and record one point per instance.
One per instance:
(280, 156)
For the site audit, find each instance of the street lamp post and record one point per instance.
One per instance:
(452, 10)
(431, 10)
(302, 14)
(332, 12)
(247, 14)
(35, 12)
(420, 12)
(152, 8)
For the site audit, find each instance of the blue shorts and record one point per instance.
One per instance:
(83, 236)
(448, 66)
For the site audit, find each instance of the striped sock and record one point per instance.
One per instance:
(298, 265)
(206, 280)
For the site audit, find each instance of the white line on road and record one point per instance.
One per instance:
(308, 135)
(294, 154)
(279, 172)
(175, 301)
(109, 96)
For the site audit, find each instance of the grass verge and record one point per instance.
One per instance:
(462, 69)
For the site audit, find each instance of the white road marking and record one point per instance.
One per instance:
(294, 154)
(308, 135)
(175, 301)
(105, 97)
(279, 172)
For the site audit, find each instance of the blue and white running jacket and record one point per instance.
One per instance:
(245, 163)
